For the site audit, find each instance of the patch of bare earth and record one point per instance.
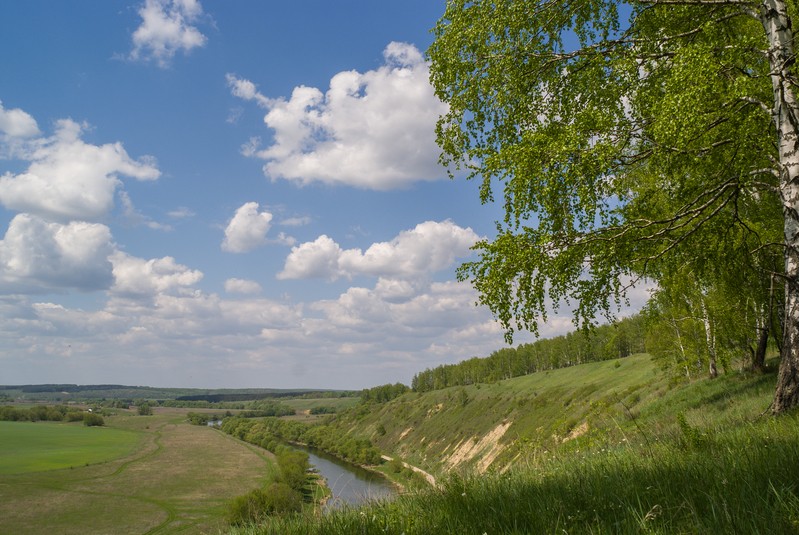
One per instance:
(487, 448)
(578, 431)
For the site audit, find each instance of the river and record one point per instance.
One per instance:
(350, 484)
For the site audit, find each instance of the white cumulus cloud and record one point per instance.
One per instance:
(373, 130)
(39, 255)
(168, 26)
(16, 123)
(316, 259)
(137, 277)
(429, 247)
(69, 179)
(242, 286)
(247, 229)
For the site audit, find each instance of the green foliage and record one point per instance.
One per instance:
(322, 409)
(615, 159)
(395, 466)
(654, 142)
(57, 413)
(691, 436)
(144, 409)
(91, 419)
(293, 465)
(383, 393)
(268, 432)
(256, 505)
(248, 508)
(198, 419)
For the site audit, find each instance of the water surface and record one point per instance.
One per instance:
(350, 484)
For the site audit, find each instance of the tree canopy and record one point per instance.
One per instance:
(639, 140)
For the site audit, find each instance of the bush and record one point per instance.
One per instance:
(75, 416)
(145, 409)
(395, 465)
(282, 499)
(246, 509)
(90, 419)
(276, 499)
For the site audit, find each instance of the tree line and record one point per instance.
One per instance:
(269, 433)
(605, 342)
(383, 393)
(50, 413)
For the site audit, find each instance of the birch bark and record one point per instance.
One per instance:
(777, 24)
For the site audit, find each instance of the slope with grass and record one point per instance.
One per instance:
(611, 447)
(488, 426)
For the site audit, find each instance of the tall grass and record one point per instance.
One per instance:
(740, 480)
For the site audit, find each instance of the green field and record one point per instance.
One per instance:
(146, 475)
(34, 447)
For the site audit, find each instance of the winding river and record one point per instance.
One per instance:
(350, 484)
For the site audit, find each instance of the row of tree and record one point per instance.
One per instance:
(383, 393)
(601, 343)
(50, 413)
(260, 407)
(269, 433)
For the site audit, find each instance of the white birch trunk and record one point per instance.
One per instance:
(682, 349)
(710, 341)
(777, 23)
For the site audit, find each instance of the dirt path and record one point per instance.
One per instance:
(427, 475)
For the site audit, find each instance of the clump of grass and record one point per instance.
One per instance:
(742, 480)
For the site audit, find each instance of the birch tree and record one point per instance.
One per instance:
(624, 138)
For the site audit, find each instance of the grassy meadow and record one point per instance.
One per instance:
(52, 446)
(142, 474)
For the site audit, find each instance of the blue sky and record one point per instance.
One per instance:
(229, 194)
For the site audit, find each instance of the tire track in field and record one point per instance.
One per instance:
(170, 510)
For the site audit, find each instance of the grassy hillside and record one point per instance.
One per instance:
(610, 447)
(491, 426)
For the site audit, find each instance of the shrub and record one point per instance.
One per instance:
(282, 499)
(90, 419)
(276, 499)
(395, 465)
(249, 508)
(75, 416)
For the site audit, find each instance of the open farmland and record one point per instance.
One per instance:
(171, 477)
(27, 447)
